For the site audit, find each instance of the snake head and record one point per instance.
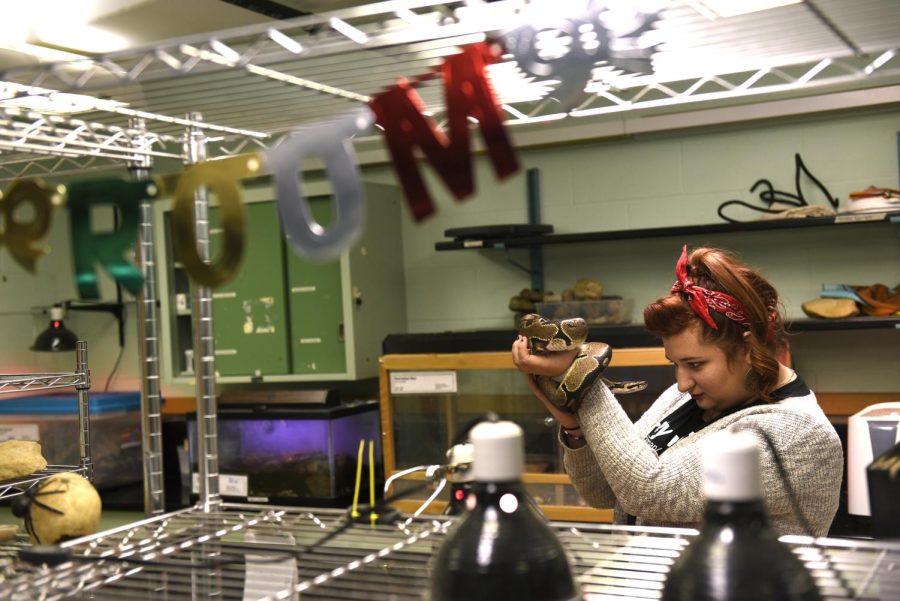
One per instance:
(575, 331)
(545, 334)
(530, 323)
(539, 331)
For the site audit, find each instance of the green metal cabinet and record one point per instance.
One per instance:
(317, 311)
(285, 318)
(249, 312)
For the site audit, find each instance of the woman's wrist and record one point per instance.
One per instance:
(572, 432)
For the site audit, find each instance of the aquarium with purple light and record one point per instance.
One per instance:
(295, 454)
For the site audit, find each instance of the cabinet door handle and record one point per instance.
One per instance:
(341, 332)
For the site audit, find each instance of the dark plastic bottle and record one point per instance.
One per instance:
(501, 548)
(737, 555)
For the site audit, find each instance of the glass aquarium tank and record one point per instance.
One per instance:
(294, 454)
(429, 401)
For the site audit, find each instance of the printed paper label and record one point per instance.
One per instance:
(421, 382)
(229, 484)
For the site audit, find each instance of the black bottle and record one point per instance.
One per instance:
(737, 555)
(501, 548)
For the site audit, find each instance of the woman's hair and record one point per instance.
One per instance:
(718, 270)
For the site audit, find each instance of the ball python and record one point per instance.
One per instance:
(551, 335)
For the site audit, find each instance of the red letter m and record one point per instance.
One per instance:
(467, 93)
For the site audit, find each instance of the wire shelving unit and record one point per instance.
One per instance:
(263, 552)
(80, 380)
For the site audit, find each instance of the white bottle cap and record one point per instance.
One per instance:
(731, 467)
(499, 451)
(459, 460)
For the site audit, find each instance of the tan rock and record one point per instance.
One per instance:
(532, 295)
(519, 304)
(830, 308)
(20, 458)
(588, 289)
(79, 503)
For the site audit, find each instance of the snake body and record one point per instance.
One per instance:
(553, 335)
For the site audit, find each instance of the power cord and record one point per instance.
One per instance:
(114, 369)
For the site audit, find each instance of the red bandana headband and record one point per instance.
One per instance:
(702, 300)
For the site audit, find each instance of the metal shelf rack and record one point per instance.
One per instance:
(263, 552)
(80, 379)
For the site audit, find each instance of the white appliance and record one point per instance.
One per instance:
(870, 433)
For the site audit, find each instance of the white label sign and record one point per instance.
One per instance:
(229, 484)
(421, 382)
(857, 218)
(20, 432)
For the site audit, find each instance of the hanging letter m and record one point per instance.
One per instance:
(467, 93)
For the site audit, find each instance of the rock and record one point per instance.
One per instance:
(20, 458)
(517, 303)
(588, 289)
(830, 308)
(76, 498)
(534, 296)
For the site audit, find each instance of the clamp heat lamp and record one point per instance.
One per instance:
(58, 338)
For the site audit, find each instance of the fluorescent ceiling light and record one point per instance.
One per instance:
(342, 27)
(286, 42)
(879, 61)
(714, 9)
(225, 50)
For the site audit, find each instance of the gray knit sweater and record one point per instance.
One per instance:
(618, 468)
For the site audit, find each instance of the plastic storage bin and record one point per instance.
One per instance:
(52, 420)
(604, 311)
(293, 454)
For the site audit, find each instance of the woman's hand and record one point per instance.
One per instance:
(545, 365)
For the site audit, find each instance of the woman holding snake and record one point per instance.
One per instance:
(721, 328)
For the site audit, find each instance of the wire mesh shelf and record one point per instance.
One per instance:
(16, 486)
(26, 382)
(262, 552)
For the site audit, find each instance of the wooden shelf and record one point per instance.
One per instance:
(660, 232)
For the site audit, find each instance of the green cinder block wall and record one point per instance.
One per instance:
(666, 179)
